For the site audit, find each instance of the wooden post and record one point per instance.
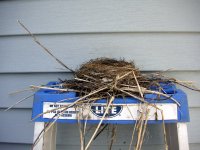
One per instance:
(48, 139)
(39, 126)
(182, 136)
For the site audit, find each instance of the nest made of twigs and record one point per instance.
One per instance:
(115, 74)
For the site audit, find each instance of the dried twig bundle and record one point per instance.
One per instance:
(105, 72)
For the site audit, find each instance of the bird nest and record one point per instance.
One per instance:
(103, 72)
(105, 77)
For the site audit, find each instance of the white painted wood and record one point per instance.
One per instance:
(182, 136)
(149, 51)
(39, 126)
(100, 16)
(49, 142)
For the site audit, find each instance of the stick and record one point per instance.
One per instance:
(139, 88)
(145, 125)
(19, 102)
(113, 136)
(50, 88)
(164, 131)
(132, 137)
(20, 91)
(83, 80)
(41, 45)
(140, 132)
(134, 96)
(91, 139)
(80, 130)
(149, 91)
(102, 129)
(124, 75)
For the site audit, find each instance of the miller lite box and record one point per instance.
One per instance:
(52, 105)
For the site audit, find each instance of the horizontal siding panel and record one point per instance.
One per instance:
(195, 146)
(193, 126)
(99, 16)
(15, 82)
(12, 146)
(150, 51)
(16, 126)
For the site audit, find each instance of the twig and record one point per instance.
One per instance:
(140, 131)
(19, 102)
(134, 96)
(41, 45)
(132, 136)
(80, 130)
(164, 130)
(50, 88)
(151, 92)
(124, 75)
(113, 136)
(89, 77)
(186, 86)
(102, 129)
(133, 133)
(106, 111)
(139, 88)
(82, 80)
(145, 125)
(20, 91)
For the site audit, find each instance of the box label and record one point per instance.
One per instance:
(95, 111)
